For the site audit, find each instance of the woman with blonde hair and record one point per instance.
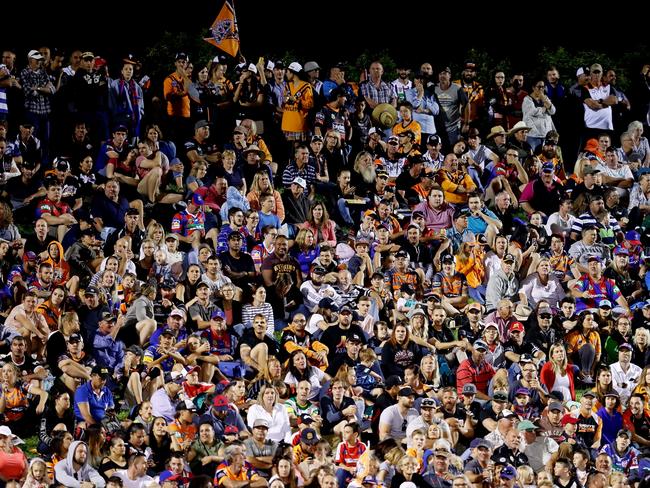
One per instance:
(557, 374)
(641, 346)
(270, 410)
(194, 180)
(470, 263)
(156, 234)
(430, 372)
(541, 285)
(639, 143)
(263, 184)
(305, 250)
(526, 477)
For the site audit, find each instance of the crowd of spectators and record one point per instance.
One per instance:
(272, 275)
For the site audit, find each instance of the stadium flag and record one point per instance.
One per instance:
(225, 34)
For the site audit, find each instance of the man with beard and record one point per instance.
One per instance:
(475, 96)
(615, 174)
(402, 83)
(314, 289)
(593, 287)
(518, 139)
(543, 194)
(296, 204)
(637, 421)
(516, 95)
(363, 176)
(586, 248)
(280, 264)
(478, 157)
(75, 471)
(549, 154)
(593, 218)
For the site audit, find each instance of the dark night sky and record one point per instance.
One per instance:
(411, 30)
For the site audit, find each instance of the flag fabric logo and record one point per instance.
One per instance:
(225, 34)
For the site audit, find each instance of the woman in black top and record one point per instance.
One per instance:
(116, 458)
(59, 411)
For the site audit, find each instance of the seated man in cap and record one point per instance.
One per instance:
(503, 283)
(189, 224)
(476, 370)
(108, 351)
(394, 419)
(235, 470)
(93, 399)
(543, 194)
(449, 286)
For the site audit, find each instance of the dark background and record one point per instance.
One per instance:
(439, 32)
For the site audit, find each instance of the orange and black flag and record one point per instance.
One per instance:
(225, 34)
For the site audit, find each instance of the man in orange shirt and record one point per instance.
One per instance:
(176, 92)
(234, 470)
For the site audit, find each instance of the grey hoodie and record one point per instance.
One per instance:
(64, 472)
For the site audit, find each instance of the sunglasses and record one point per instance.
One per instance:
(545, 316)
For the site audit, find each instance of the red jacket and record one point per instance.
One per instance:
(547, 377)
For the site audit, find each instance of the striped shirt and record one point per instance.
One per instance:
(291, 172)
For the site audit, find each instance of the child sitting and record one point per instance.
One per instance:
(368, 370)
(267, 212)
(522, 406)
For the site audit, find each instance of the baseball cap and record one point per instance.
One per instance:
(569, 419)
(506, 414)
(624, 432)
(428, 403)
(101, 371)
(311, 66)
(354, 338)
(407, 391)
(447, 258)
(34, 54)
(605, 304)
(300, 181)
(500, 396)
(375, 130)
(548, 167)
(181, 55)
(197, 199)
(220, 402)
(516, 327)
(261, 423)
(234, 234)
(626, 345)
(168, 283)
(218, 314)
(582, 70)
(589, 393)
(620, 250)
(328, 304)
(461, 212)
(482, 443)
(295, 67)
(200, 124)
(433, 140)
(177, 312)
(469, 389)
(596, 67)
(231, 430)
(555, 406)
(108, 317)
(202, 284)
(306, 419)
(522, 391)
(590, 170)
(319, 270)
(393, 380)
(594, 258)
(508, 258)
(75, 338)
(309, 436)
(316, 138)
(5, 430)
(480, 345)
(508, 472)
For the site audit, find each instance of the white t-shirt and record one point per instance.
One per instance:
(129, 483)
(601, 118)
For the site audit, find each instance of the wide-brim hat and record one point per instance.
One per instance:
(384, 115)
(519, 126)
(497, 130)
(254, 148)
(522, 312)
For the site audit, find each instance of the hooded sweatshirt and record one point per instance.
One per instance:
(65, 473)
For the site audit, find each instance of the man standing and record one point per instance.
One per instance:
(176, 93)
(38, 89)
(376, 91)
(598, 100)
(452, 100)
(625, 374)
